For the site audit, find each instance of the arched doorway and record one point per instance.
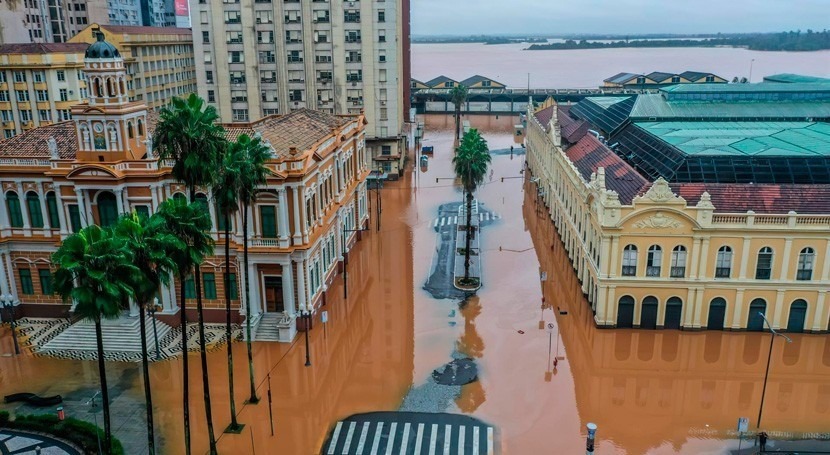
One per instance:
(648, 318)
(755, 322)
(798, 314)
(107, 209)
(717, 313)
(625, 312)
(674, 312)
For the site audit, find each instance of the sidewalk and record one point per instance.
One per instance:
(22, 442)
(807, 446)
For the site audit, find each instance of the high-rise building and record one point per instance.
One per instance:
(260, 57)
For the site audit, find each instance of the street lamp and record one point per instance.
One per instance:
(92, 411)
(346, 260)
(152, 311)
(8, 303)
(306, 316)
(774, 333)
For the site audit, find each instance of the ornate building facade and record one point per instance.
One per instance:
(56, 179)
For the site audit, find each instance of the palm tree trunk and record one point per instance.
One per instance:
(105, 396)
(148, 395)
(457, 122)
(253, 398)
(185, 369)
(469, 236)
(234, 424)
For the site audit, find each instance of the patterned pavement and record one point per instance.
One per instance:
(13, 442)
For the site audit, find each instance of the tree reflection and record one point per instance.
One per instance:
(471, 397)
(470, 343)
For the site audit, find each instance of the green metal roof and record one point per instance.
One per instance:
(781, 87)
(793, 78)
(789, 139)
(608, 101)
(655, 106)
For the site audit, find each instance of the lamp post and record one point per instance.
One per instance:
(94, 413)
(152, 311)
(774, 333)
(346, 260)
(8, 303)
(306, 315)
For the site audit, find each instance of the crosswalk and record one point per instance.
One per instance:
(411, 436)
(450, 220)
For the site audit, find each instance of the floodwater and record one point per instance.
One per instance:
(648, 391)
(509, 64)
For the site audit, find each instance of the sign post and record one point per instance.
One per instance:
(592, 433)
(743, 426)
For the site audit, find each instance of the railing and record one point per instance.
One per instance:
(23, 162)
(770, 219)
(265, 242)
(718, 219)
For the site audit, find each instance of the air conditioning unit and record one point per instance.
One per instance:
(354, 84)
(383, 102)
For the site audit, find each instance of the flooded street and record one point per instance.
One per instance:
(648, 391)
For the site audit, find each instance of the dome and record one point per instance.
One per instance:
(101, 48)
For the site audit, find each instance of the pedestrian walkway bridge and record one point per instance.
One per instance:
(410, 433)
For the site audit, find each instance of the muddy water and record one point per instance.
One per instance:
(649, 392)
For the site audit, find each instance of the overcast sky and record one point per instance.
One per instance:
(465, 17)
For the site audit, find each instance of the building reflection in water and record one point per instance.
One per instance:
(646, 388)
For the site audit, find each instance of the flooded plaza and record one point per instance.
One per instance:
(655, 392)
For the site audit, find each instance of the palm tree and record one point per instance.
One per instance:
(189, 223)
(188, 134)
(94, 269)
(253, 174)
(471, 161)
(458, 96)
(149, 243)
(226, 193)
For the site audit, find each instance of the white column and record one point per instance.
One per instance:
(704, 259)
(695, 258)
(288, 288)
(779, 309)
(240, 271)
(4, 283)
(214, 221)
(319, 198)
(282, 220)
(785, 264)
(338, 236)
(12, 282)
(47, 226)
(168, 297)
(61, 215)
(301, 291)
(818, 317)
(85, 216)
(6, 226)
(298, 234)
(154, 202)
(744, 258)
(615, 254)
(256, 301)
(119, 202)
(736, 313)
(24, 210)
(133, 309)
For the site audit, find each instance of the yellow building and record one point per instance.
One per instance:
(38, 84)
(159, 60)
(687, 254)
(657, 79)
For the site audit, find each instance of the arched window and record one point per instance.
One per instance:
(99, 91)
(130, 132)
(717, 313)
(201, 198)
(33, 205)
(654, 260)
(723, 267)
(763, 269)
(678, 262)
(52, 205)
(806, 260)
(179, 197)
(755, 320)
(629, 261)
(107, 209)
(798, 314)
(140, 127)
(625, 312)
(13, 206)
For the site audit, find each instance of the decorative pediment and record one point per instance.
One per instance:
(659, 192)
(95, 172)
(658, 221)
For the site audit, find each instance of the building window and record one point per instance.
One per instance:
(763, 269)
(351, 15)
(239, 96)
(654, 260)
(13, 206)
(381, 16)
(295, 56)
(26, 282)
(321, 15)
(61, 75)
(381, 36)
(267, 57)
(264, 17)
(19, 76)
(189, 288)
(22, 96)
(233, 37)
(806, 259)
(295, 95)
(353, 36)
(236, 57)
(268, 221)
(74, 217)
(266, 37)
(237, 77)
(233, 289)
(723, 266)
(52, 206)
(292, 17)
(240, 115)
(107, 209)
(232, 17)
(205, 37)
(45, 276)
(211, 96)
(42, 95)
(64, 94)
(209, 284)
(33, 204)
(678, 262)
(629, 262)
(209, 77)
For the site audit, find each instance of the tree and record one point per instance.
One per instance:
(253, 174)
(149, 243)
(226, 194)
(471, 161)
(189, 223)
(188, 134)
(458, 96)
(95, 269)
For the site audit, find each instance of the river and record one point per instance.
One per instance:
(509, 64)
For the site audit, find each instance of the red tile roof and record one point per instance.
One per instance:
(589, 154)
(43, 48)
(140, 29)
(33, 143)
(544, 116)
(571, 129)
(760, 198)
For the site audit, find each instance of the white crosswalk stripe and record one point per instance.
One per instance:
(404, 440)
(348, 438)
(376, 442)
(362, 440)
(417, 436)
(392, 433)
(337, 429)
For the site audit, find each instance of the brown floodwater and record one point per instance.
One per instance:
(648, 391)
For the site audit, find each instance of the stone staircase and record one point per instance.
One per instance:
(120, 335)
(275, 327)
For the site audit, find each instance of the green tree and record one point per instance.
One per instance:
(189, 223)
(188, 134)
(471, 161)
(458, 96)
(253, 175)
(149, 243)
(95, 269)
(226, 194)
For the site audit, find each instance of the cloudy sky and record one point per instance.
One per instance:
(450, 17)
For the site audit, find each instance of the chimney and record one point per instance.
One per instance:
(292, 150)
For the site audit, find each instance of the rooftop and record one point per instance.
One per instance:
(145, 30)
(478, 78)
(790, 78)
(439, 80)
(654, 106)
(761, 198)
(43, 48)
